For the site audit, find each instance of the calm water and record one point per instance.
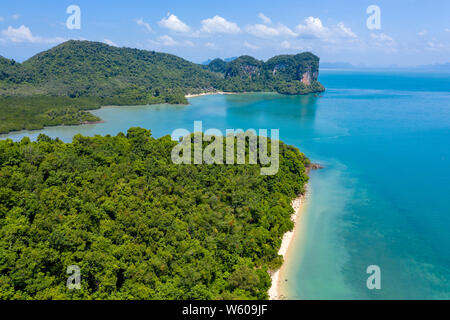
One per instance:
(383, 198)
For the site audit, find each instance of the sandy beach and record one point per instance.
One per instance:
(297, 205)
(207, 94)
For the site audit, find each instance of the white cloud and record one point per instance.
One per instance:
(313, 27)
(435, 45)
(15, 16)
(422, 33)
(344, 31)
(109, 42)
(286, 44)
(167, 41)
(263, 31)
(173, 23)
(447, 30)
(264, 18)
(382, 37)
(210, 45)
(141, 22)
(250, 46)
(384, 41)
(23, 34)
(294, 45)
(218, 24)
(2, 19)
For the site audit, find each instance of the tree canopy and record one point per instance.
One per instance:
(137, 225)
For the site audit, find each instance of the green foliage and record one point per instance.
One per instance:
(138, 226)
(35, 112)
(244, 67)
(284, 74)
(217, 65)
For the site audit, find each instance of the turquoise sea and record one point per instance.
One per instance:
(384, 196)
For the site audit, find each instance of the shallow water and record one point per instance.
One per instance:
(382, 198)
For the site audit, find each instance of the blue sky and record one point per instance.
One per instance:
(412, 32)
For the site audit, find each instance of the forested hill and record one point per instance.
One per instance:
(55, 86)
(137, 225)
(84, 68)
(289, 74)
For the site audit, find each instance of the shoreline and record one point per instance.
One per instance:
(187, 96)
(194, 95)
(287, 241)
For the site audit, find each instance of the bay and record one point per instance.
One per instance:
(383, 197)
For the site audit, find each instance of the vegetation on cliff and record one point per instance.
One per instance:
(287, 74)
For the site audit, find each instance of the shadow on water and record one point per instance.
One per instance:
(274, 109)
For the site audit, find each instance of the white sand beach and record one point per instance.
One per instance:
(207, 94)
(297, 205)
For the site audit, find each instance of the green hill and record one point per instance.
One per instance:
(57, 86)
(137, 225)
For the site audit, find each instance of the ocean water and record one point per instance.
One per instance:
(383, 197)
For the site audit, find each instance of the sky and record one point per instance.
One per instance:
(409, 33)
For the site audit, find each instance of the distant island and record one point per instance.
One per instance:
(57, 86)
(139, 226)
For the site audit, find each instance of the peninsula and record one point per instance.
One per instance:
(58, 86)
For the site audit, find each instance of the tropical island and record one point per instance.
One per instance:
(137, 225)
(58, 86)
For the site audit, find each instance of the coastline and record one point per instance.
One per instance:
(187, 96)
(298, 205)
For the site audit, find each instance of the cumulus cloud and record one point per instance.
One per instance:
(382, 37)
(344, 31)
(141, 22)
(264, 18)
(24, 34)
(422, 33)
(314, 28)
(217, 24)
(167, 40)
(435, 45)
(250, 46)
(384, 41)
(172, 22)
(109, 42)
(264, 31)
(261, 30)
